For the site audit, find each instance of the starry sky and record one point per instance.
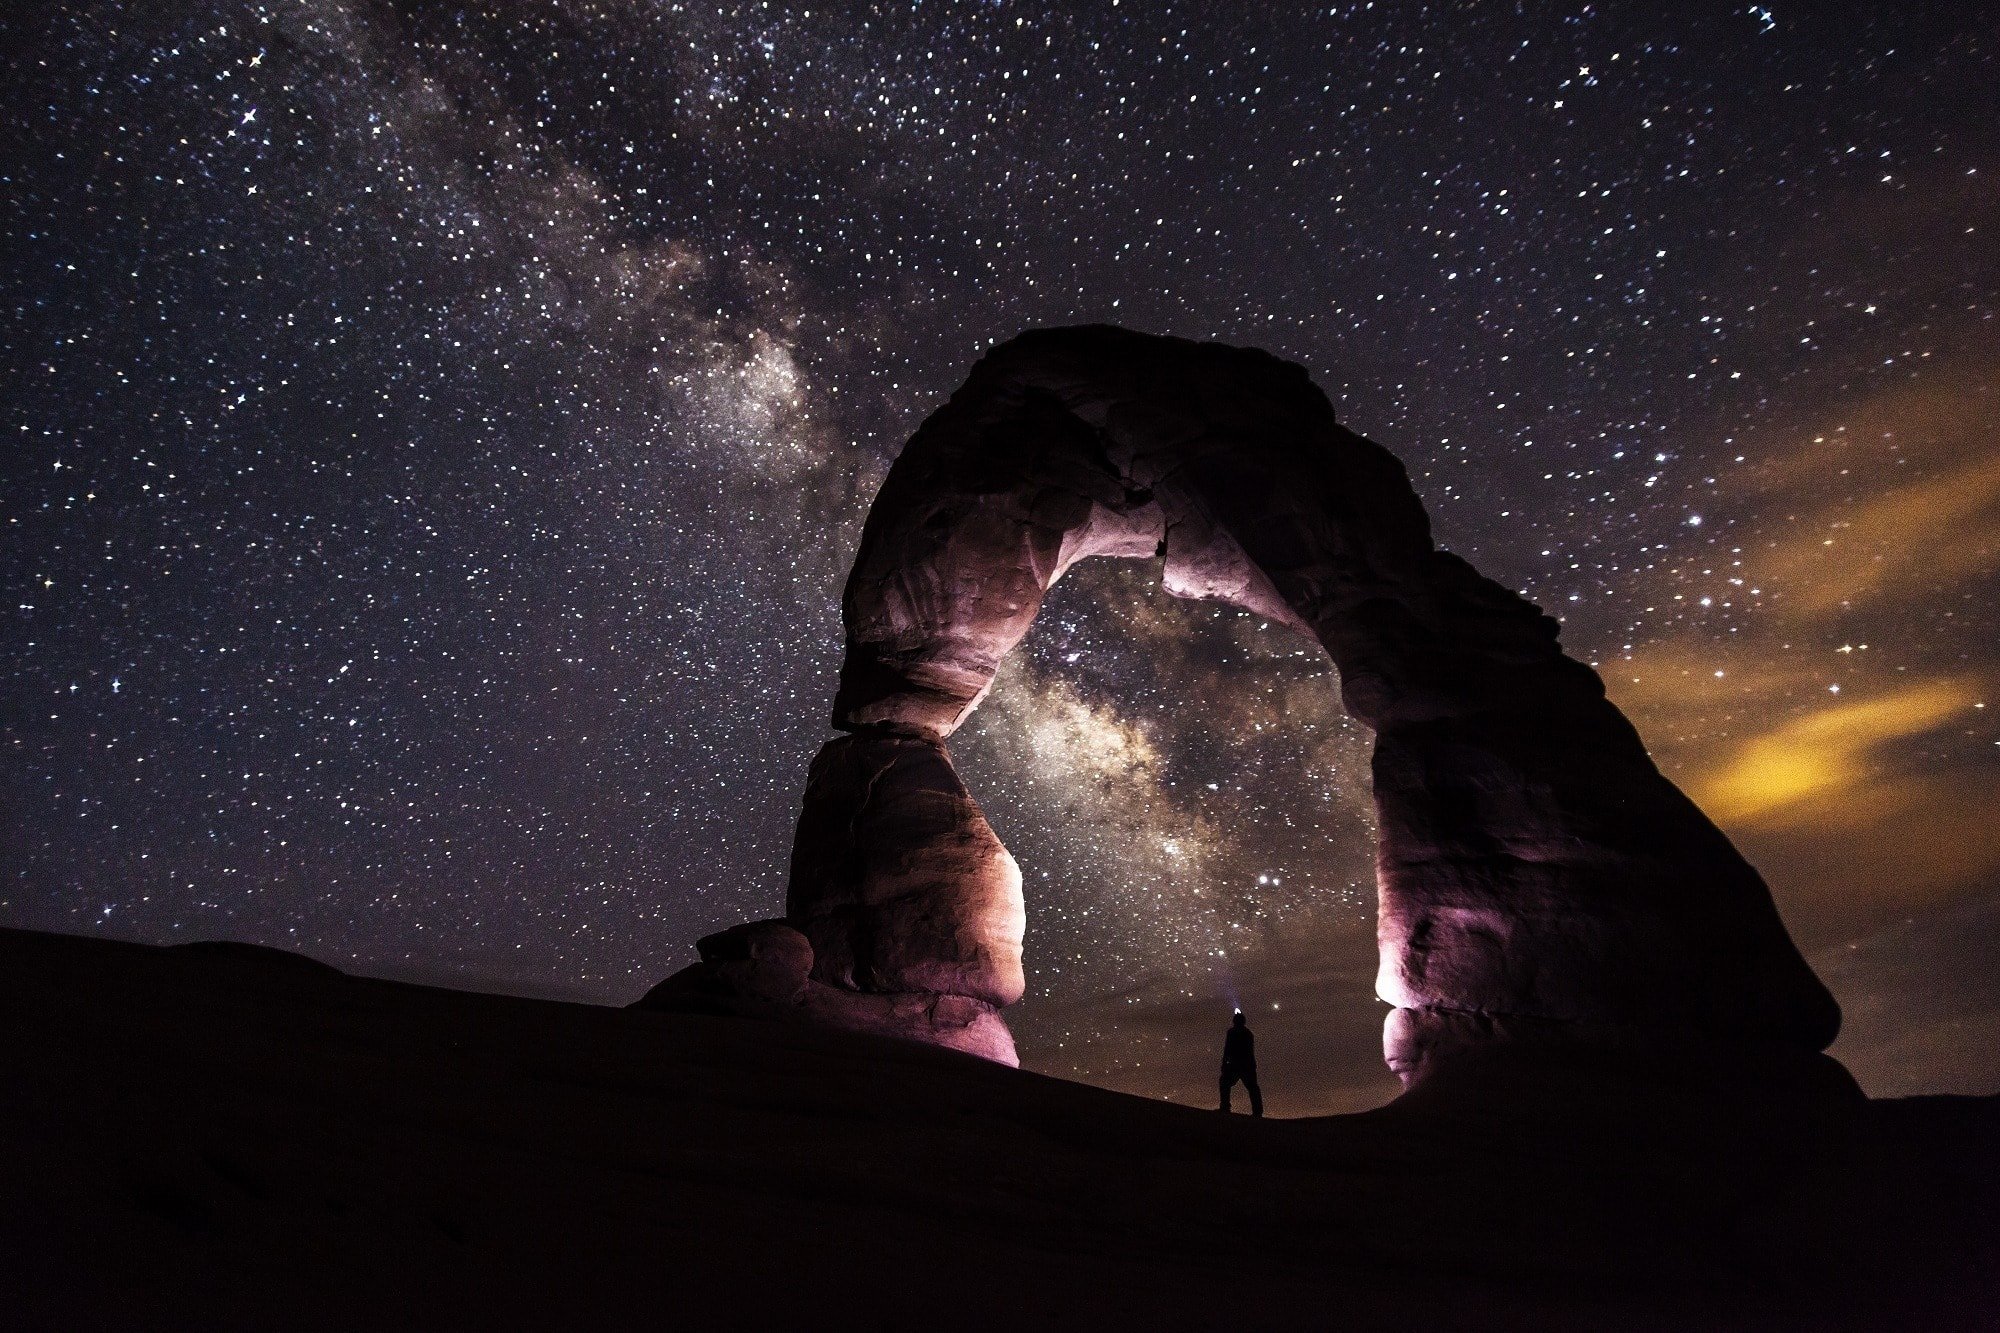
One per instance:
(436, 436)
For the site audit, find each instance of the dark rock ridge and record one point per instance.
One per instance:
(1535, 868)
(197, 1139)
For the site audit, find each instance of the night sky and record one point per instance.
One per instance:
(436, 436)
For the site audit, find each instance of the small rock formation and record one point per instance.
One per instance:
(764, 970)
(1536, 871)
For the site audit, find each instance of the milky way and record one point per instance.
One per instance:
(437, 435)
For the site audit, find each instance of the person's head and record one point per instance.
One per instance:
(1238, 1020)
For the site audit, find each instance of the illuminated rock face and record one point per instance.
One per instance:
(897, 879)
(1536, 871)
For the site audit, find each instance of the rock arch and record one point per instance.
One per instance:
(1536, 872)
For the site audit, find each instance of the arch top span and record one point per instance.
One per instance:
(1224, 462)
(1535, 870)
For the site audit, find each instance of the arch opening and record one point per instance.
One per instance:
(1190, 809)
(1534, 870)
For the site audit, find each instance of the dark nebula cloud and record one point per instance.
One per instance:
(436, 437)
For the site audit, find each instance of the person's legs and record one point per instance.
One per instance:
(1227, 1081)
(1256, 1096)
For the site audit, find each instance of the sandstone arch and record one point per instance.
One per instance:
(1535, 869)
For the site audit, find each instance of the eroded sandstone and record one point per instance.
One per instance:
(1534, 867)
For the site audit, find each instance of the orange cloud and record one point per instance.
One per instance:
(1897, 492)
(1833, 751)
(1936, 531)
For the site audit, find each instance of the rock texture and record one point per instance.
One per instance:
(1534, 867)
(764, 970)
(898, 880)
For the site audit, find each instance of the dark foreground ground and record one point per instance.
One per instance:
(219, 1137)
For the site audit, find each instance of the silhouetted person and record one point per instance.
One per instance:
(1239, 1062)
